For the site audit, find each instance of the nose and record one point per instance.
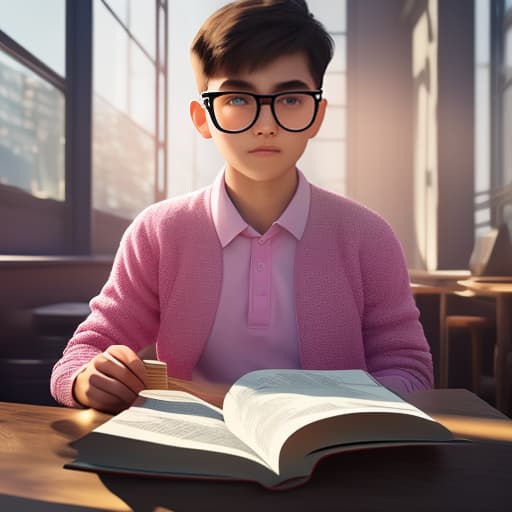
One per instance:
(265, 124)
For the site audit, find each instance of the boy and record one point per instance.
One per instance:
(261, 269)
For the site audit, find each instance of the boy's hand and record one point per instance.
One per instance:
(111, 381)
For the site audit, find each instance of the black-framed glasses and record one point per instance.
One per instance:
(235, 112)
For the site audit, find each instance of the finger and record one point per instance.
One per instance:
(111, 386)
(130, 359)
(104, 401)
(92, 388)
(115, 372)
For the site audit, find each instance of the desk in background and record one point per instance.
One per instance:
(435, 287)
(444, 284)
(477, 476)
(501, 292)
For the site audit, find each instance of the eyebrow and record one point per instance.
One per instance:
(243, 85)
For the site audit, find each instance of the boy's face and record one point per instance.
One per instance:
(265, 151)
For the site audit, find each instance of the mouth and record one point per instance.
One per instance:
(265, 150)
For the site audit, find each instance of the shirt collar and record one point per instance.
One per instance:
(229, 224)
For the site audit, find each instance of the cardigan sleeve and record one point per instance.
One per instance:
(126, 311)
(396, 351)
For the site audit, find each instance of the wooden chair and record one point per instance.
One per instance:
(475, 325)
(25, 372)
(59, 319)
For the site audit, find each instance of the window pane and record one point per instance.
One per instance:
(333, 126)
(142, 88)
(331, 14)
(124, 115)
(31, 132)
(162, 106)
(508, 54)
(123, 75)
(39, 27)
(162, 37)
(123, 162)
(124, 156)
(110, 60)
(507, 136)
(161, 170)
(120, 7)
(335, 89)
(143, 23)
(123, 120)
(339, 59)
(482, 112)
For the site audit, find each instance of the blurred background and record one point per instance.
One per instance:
(94, 122)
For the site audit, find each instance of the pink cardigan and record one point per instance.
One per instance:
(353, 300)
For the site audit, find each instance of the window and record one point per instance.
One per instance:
(500, 200)
(68, 69)
(493, 114)
(482, 117)
(32, 127)
(39, 27)
(31, 132)
(130, 80)
(506, 180)
(324, 160)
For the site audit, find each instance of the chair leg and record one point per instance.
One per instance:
(476, 359)
(445, 355)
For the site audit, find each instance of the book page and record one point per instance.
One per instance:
(263, 408)
(175, 418)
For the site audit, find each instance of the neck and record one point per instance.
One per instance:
(260, 203)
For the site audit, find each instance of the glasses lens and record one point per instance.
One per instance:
(235, 112)
(295, 110)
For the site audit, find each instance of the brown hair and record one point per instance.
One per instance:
(248, 34)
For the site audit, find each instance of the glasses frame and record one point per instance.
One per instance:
(208, 97)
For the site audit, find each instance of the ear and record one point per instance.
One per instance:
(199, 117)
(313, 130)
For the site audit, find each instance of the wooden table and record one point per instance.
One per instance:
(34, 445)
(502, 293)
(441, 284)
(440, 289)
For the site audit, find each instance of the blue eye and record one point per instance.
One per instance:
(290, 100)
(235, 101)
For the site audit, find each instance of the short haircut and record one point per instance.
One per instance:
(249, 34)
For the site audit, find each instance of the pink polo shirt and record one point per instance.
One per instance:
(256, 324)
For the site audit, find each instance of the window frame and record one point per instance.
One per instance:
(75, 213)
(501, 191)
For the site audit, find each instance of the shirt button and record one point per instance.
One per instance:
(260, 267)
(261, 241)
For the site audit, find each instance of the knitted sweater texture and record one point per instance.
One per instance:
(353, 300)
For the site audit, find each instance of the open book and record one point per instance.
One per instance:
(274, 427)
